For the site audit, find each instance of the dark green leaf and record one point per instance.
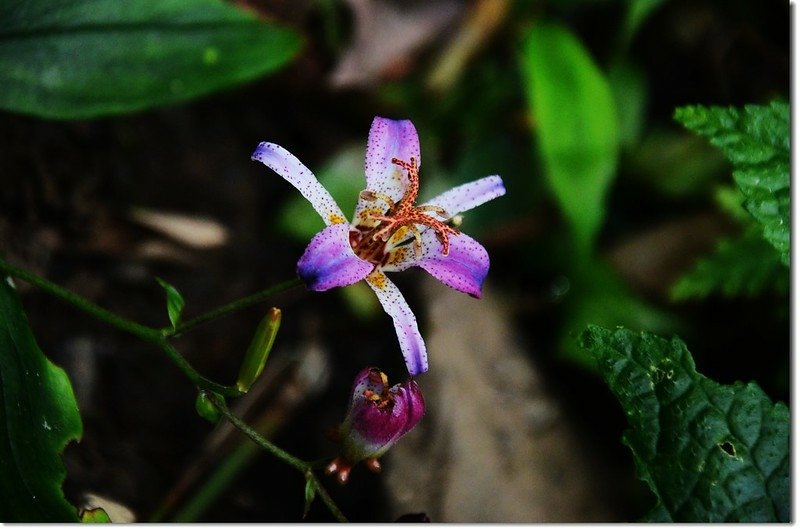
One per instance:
(576, 124)
(709, 452)
(756, 141)
(87, 58)
(598, 295)
(746, 266)
(38, 417)
(175, 302)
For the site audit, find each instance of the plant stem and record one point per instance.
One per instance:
(157, 337)
(299, 464)
(234, 306)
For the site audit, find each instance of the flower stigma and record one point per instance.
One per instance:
(369, 239)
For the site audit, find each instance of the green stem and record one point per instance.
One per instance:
(303, 466)
(154, 336)
(234, 306)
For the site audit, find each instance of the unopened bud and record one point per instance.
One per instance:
(256, 356)
(205, 408)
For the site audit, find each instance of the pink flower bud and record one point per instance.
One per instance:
(377, 416)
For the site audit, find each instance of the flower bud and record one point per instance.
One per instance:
(377, 416)
(256, 356)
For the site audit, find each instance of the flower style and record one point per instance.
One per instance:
(377, 416)
(389, 233)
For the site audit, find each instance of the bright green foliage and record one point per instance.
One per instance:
(38, 417)
(98, 515)
(756, 141)
(88, 58)
(576, 125)
(709, 452)
(175, 302)
(746, 266)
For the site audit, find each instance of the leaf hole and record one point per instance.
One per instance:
(728, 448)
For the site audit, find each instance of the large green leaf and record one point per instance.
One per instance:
(576, 124)
(756, 141)
(38, 417)
(87, 58)
(710, 452)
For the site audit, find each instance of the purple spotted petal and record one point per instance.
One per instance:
(469, 195)
(463, 269)
(405, 323)
(370, 429)
(388, 139)
(290, 168)
(329, 260)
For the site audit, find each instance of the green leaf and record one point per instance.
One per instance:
(746, 266)
(175, 302)
(38, 417)
(598, 295)
(88, 58)
(709, 452)
(756, 141)
(576, 124)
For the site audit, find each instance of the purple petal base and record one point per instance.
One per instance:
(329, 261)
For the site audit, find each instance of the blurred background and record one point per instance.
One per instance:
(610, 204)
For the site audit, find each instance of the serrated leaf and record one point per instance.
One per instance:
(746, 266)
(576, 125)
(756, 141)
(709, 452)
(38, 418)
(88, 58)
(175, 302)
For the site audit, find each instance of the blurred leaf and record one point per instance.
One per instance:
(731, 200)
(677, 165)
(97, 515)
(38, 417)
(175, 302)
(756, 140)
(88, 58)
(343, 177)
(598, 295)
(742, 267)
(576, 125)
(629, 86)
(637, 13)
(709, 452)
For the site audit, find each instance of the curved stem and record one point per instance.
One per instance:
(303, 466)
(234, 306)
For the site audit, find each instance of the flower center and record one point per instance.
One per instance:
(384, 399)
(369, 241)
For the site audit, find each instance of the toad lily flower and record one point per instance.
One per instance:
(389, 232)
(377, 416)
